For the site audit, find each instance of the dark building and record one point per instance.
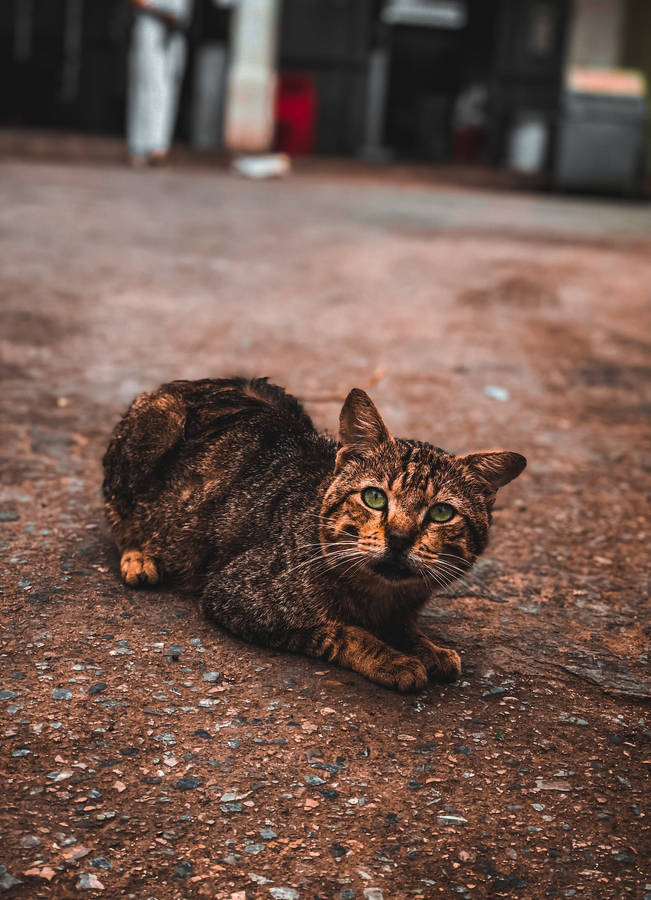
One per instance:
(379, 77)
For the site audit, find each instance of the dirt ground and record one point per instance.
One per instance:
(145, 754)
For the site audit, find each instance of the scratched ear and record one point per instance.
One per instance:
(361, 429)
(495, 467)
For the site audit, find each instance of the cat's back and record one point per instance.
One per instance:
(251, 413)
(190, 426)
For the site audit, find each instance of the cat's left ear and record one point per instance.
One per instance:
(361, 429)
(495, 467)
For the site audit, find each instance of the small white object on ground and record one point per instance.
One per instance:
(497, 393)
(270, 165)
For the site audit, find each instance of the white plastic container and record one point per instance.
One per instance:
(528, 144)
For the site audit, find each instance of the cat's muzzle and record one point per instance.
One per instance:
(394, 567)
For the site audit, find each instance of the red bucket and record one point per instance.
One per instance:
(295, 113)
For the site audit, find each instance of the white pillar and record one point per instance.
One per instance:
(252, 78)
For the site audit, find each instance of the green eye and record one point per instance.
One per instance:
(374, 497)
(442, 512)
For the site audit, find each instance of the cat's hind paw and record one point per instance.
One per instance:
(138, 569)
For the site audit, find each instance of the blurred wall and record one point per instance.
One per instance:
(596, 33)
(636, 52)
(54, 76)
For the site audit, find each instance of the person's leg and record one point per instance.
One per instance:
(147, 86)
(175, 55)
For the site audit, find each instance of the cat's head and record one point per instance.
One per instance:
(404, 512)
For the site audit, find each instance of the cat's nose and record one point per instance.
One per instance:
(398, 541)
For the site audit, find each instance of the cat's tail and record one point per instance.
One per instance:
(152, 426)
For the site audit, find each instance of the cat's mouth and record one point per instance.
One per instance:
(393, 568)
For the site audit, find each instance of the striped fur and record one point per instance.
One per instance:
(224, 487)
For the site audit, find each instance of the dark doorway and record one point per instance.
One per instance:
(429, 68)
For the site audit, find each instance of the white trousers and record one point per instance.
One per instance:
(156, 66)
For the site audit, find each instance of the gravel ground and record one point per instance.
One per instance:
(145, 754)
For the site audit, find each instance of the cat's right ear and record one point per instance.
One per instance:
(361, 429)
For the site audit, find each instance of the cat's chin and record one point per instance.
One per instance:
(392, 570)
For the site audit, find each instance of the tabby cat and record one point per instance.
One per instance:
(293, 540)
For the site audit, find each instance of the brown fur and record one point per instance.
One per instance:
(224, 487)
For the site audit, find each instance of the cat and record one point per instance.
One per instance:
(295, 541)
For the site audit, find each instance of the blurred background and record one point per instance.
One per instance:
(552, 89)
(462, 230)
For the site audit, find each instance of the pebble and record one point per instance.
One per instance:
(61, 694)
(284, 893)
(100, 862)
(7, 695)
(509, 883)
(88, 882)
(29, 841)
(182, 871)
(75, 853)
(231, 807)
(543, 785)
(338, 850)
(173, 652)
(187, 783)
(8, 881)
(268, 834)
(373, 893)
(314, 780)
(211, 676)
(254, 848)
(46, 872)
(60, 776)
(451, 820)
(97, 688)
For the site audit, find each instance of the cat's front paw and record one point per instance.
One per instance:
(445, 665)
(442, 664)
(406, 674)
